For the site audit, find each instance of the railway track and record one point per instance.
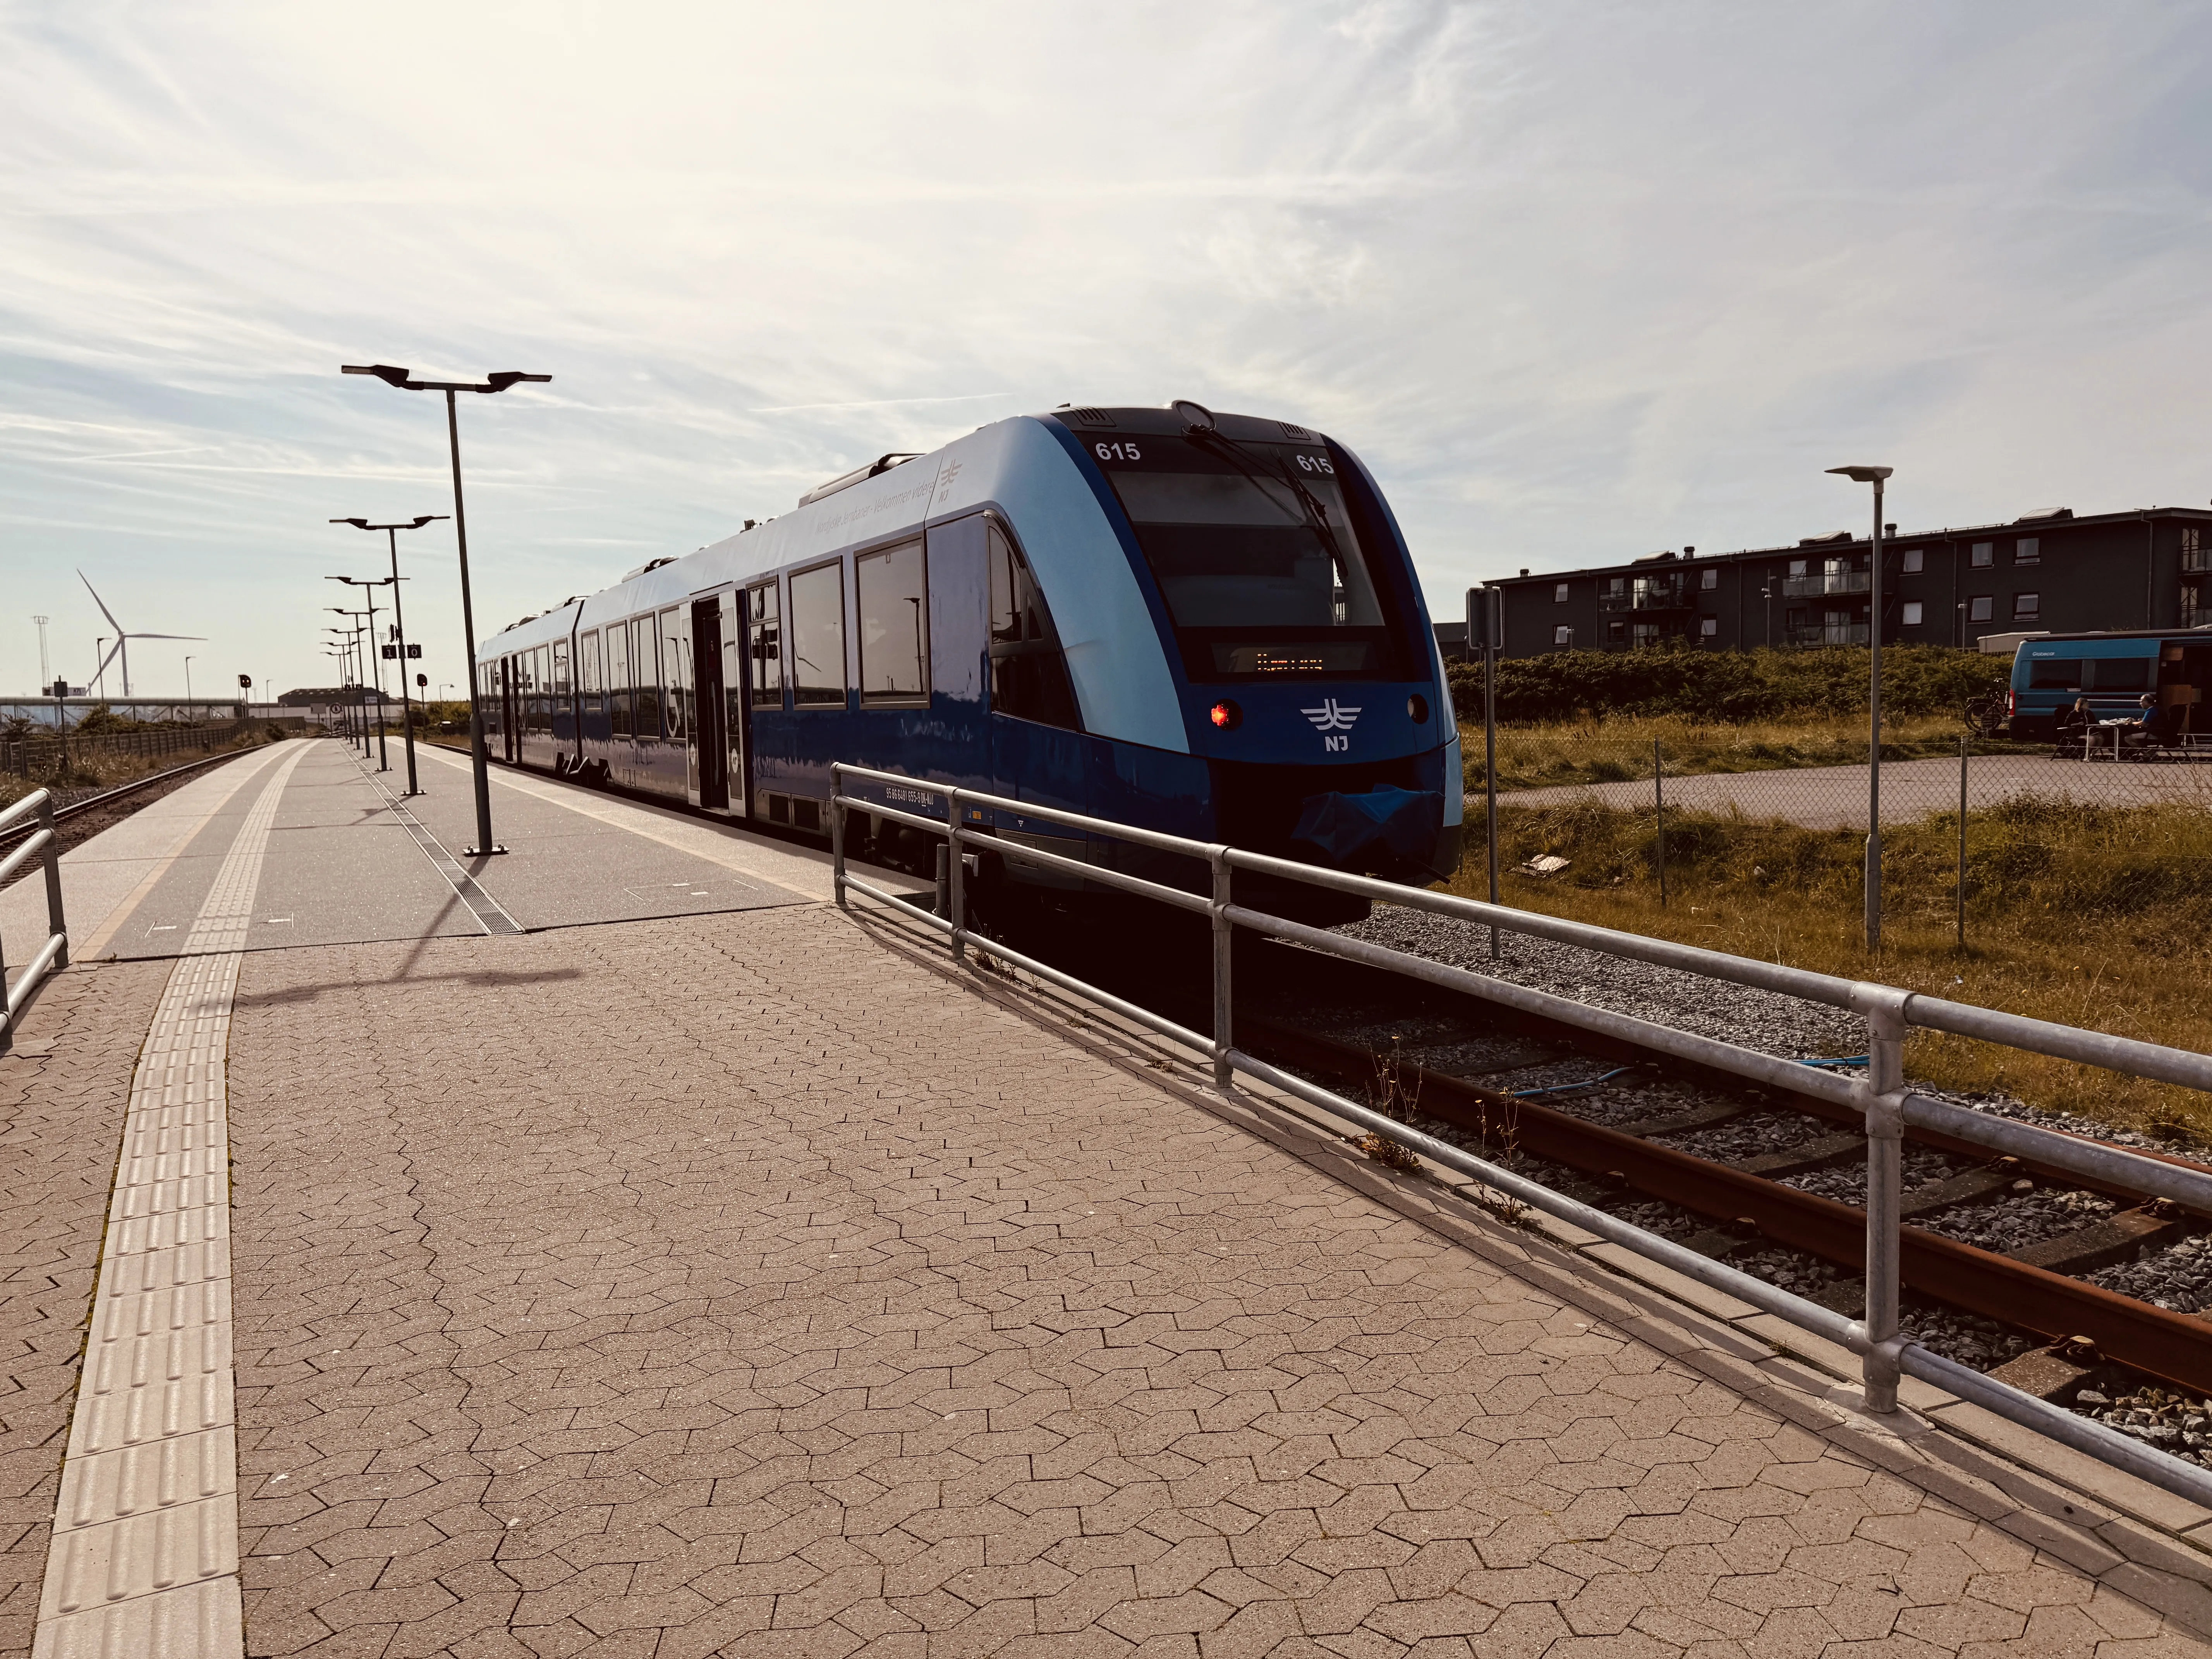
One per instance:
(77, 811)
(1760, 1177)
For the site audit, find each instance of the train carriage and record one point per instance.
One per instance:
(1207, 625)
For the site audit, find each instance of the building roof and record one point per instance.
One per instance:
(1845, 542)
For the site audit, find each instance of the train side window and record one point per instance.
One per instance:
(1029, 675)
(676, 673)
(618, 697)
(817, 637)
(588, 665)
(645, 678)
(894, 591)
(764, 635)
(561, 683)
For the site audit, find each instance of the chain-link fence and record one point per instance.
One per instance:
(1734, 823)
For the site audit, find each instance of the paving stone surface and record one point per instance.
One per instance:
(63, 1091)
(730, 1285)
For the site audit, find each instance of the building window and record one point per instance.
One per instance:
(2027, 607)
(1708, 627)
(1984, 555)
(1615, 632)
(1709, 580)
(1796, 567)
(1980, 608)
(1912, 613)
(1915, 560)
(1563, 635)
(2028, 550)
(1619, 585)
(1558, 593)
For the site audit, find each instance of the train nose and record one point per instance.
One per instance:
(1343, 828)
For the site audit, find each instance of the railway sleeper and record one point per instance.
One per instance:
(2168, 1345)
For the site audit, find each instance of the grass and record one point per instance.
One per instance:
(1538, 756)
(2091, 916)
(102, 770)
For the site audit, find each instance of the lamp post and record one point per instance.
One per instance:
(399, 626)
(370, 666)
(1874, 475)
(188, 682)
(391, 582)
(340, 651)
(352, 633)
(478, 763)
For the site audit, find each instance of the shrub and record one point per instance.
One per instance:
(1730, 686)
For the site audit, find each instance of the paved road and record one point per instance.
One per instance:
(733, 1283)
(1835, 797)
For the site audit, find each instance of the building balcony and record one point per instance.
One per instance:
(1831, 634)
(2196, 558)
(1827, 582)
(1654, 597)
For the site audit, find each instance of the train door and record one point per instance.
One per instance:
(1037, 750)
(622, 749)
(709, 765)
(729, 615)
(510, 724)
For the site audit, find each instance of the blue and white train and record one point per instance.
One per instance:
(1205, 624)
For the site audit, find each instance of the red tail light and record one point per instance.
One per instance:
(2012, 701)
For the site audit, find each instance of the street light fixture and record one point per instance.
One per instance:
(1874, 475)
(370, 665)
(479, 764)
(340, 651)
(356, 629)
(399, 625)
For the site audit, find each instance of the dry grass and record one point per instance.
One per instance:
(2097, 917)
(1619, 748)
(102, 770)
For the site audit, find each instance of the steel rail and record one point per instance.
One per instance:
(2176, 1347)
(1880, 1096)
(92, 803)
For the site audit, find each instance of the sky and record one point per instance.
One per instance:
(1579, 281)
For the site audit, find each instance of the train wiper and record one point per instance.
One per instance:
(1317, 513)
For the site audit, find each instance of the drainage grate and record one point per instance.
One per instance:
(482, 905)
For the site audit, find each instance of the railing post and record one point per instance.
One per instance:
(1659, 812)
(838, 837)
(56, 923)
(1224, 1037)
(956, 892)
(1962, 843)
(1881, 1096)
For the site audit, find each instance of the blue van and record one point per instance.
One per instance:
(2113, 671)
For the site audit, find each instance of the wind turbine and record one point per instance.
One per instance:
(122, 639)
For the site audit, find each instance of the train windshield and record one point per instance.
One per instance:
(1255, 554)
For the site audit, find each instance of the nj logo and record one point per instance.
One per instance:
(1333, 721)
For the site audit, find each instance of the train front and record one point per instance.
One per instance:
(1293, 623)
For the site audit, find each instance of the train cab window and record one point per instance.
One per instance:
(764, 645)
(1029, 675)
(618, 694)
(817, 637)
(1256, 553)
(675, 673)
(644, 678)
(894, 595)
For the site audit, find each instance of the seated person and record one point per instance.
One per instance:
(2141, 730)
(2073, 724)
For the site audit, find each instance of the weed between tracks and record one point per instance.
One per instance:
(2090, 915)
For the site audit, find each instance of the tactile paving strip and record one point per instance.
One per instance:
(144, 1557)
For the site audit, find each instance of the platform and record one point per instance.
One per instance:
(625, 1252)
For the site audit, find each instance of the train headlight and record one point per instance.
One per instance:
(1417, 708)
(1226, 715)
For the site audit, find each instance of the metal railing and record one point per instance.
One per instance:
(53, 955)
(1827, 582)
(1831, 633)
(1880, 1097)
